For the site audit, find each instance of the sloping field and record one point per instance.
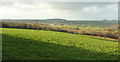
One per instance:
(24, 44)
(74, 26)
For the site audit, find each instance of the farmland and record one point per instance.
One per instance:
(92, 23)
(34, 30)
(28, 44)
(74, 26)
(109, 32)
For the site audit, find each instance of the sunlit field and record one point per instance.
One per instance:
(25, 44)
(74, 26)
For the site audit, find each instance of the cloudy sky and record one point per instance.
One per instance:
(65, 10)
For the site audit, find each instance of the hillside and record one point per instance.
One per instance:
(68, 22)
(24, 44)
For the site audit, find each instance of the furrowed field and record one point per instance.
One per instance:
(25, 44)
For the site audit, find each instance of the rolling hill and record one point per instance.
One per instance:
(25, 44)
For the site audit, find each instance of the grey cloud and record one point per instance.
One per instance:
(80, 5)
(60, 0)
(73, 8)
(6, 3)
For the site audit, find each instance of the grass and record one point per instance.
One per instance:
(25, 44)
(74, 26)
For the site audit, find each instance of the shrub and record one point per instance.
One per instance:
(34, 25)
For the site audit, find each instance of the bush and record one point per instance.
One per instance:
(34, 25)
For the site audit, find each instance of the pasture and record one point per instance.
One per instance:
(74, 26)
(25, 44)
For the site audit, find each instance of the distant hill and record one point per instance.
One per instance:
(64, 21)
(56, 19)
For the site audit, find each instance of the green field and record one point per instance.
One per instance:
(69, 22)
(74, 26)
(24, 44)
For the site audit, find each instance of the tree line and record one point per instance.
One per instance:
(34, 25)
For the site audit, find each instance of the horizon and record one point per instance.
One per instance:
(55, 18)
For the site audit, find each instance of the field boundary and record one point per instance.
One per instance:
(77, 34)
(102, 37)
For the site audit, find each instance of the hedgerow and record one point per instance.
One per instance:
(34, 25)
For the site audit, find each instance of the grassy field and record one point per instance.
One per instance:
(24, 44)
(73, 22)
(74, 26)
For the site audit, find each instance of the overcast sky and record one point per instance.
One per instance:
(65, 10)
